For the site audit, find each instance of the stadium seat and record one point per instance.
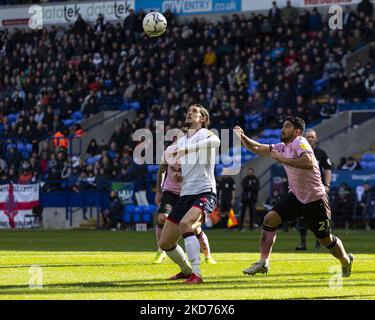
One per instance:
(267, 132)
(137, 214)
(129, 209)
(127, 218)
(77, 115)
(149, 209)
(147, 218)
(91, 160)
(152, 168)
(12, 118)
(368, 157)
(20, 147)
(68, 122)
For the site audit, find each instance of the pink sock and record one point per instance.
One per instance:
(267, 240)
(203, 242)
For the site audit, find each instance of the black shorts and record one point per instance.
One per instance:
(167, 202)
(317, 214)
(205, 201)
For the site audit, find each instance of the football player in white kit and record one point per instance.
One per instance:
(196, 153)
(167, 195)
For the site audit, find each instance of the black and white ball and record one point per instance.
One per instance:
(154, 24)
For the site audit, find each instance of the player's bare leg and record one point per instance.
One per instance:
(336, 248)
(268, 237)
(205, 245)
(168, 242)
(190, 222)
(160, 255)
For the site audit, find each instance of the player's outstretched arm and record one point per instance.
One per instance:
(252, 145)
(306, 161)
(212, 141)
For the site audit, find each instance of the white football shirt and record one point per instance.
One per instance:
(198, 166)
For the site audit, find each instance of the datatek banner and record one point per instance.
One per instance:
(255, 5)
(187, 7)
(64, 13)
(17, 201)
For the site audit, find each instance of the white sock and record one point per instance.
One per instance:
(177, 255)
(266, 262)
(193, 252)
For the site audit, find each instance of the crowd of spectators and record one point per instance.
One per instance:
(353, 205)
(259, 67)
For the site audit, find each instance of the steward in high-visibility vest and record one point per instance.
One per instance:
(60, 140)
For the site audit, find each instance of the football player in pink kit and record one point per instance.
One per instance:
(167, 195)
(307, 196)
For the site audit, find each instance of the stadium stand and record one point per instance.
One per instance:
(247, 71)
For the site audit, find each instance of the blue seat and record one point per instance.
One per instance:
(147, 218)
(29, 147)
(152, 168)
(68, 122)
(127, 218)
(91, 160)
(77, 115)
(129, 209)
(276, 132)
(149, 209)
(267, 132)
(273, 140)
(135, 105)
(12, 118)
(21, 147)
(368, 157)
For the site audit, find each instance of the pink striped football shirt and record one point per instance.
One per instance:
(169, 184)
(306, 185)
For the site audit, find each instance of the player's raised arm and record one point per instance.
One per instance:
(212, 141)
(306, 161)
(252, 145)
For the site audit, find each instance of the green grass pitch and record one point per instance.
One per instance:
(118, 265)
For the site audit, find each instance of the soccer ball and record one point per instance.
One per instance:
(154, 24)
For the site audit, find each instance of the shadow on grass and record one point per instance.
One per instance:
(162, 285)
(221, 241)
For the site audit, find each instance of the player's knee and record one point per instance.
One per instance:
(272, 219)
(328, 242)
(165, 244)
(185, 226)
(161, 218)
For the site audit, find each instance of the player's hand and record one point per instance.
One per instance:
(276, 155)
(238, 131)
(176, 176)
(179, 153)
(158, 198)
